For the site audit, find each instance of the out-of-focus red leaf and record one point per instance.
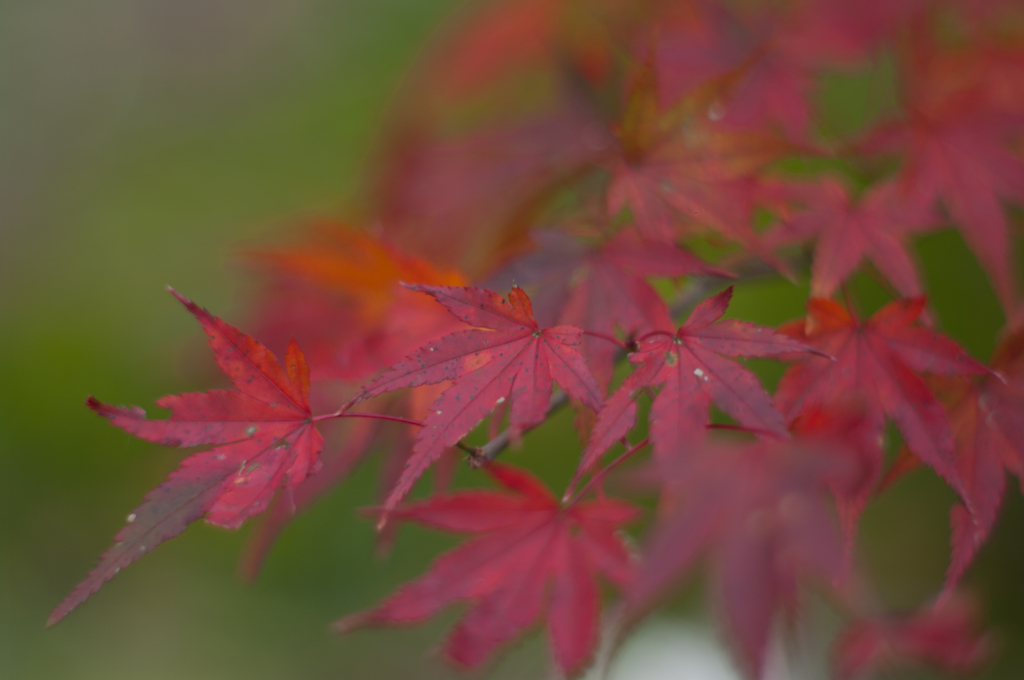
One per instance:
(697, 184)
(875, 228)
(987, 418)
(947, 639)
(964, 162)
(760, 60)
(600, 289)
(529, 557)
(496, 38)
(879, 359)
(762, 511)
(847, 421)
(460, 200)
(954, 142)
(262, 435)
(680, 175)
(342, 297)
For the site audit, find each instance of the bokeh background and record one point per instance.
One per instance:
(141, 141)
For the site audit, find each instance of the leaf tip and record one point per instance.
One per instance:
(111, 412)
(347, 624)
(191, 306)
(418, 287)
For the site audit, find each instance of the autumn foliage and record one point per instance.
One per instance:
(568, 196)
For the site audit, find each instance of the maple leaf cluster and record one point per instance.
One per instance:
(566, 194)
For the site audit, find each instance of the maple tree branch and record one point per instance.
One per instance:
(481, 455)
(471, 450)
(747, 268)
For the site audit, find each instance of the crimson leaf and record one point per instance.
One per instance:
(262, 434)
(527, 549)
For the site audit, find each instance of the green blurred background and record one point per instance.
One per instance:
(140, 142)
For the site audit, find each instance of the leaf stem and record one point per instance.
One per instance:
(374, 416)
(652, 334)
(621, 345)
(600, 474)
(847, 300)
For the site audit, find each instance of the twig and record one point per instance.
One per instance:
(481, 455)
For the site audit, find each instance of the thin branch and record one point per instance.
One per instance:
(473, 451)
(481, 455)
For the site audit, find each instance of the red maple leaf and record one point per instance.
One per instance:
(364, 435)
(694, 184)
(874, 227)
(506, 356)
(764, 513)
(689, 365)
(987, 419)
(955, 141)
(761, 60)
(452, 199)
(336, 466)
(602, 289)
(964, 162)
(879, 360)
(676, 172)
(262, 434)
(530, 554)
(945, 638)
(496, 38)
